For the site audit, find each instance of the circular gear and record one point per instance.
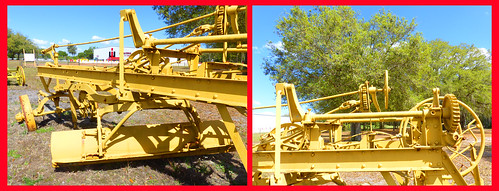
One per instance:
(451, 113)
(364, 98)
(219, 20)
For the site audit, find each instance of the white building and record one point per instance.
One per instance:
(111, 53)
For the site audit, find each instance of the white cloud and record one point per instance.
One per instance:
(257, 103)
(265, 113)
(279, 45)
(96, 37)
(484, 52)
(397, 44)
(256, 50)
(39, 42)
(65, 41)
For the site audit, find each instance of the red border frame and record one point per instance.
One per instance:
(3, 96)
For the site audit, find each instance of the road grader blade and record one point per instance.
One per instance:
(431, 147)
(139, 142)
(148, 80)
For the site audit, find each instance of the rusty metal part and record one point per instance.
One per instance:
(27, 113)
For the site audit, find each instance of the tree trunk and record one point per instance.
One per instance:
(354, 130)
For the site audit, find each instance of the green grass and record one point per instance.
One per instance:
(66, 113)
(31, 182)
(152, 181)
(13, 153)
(202, 169)
(45, 130)
(220, 168)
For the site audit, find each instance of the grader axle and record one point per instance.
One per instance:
(147, 80)
(431, 147)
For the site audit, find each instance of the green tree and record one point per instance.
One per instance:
(16, 42)
(88, 54)
(328, 51)
(62, 54)
(462, 70)
(72, 49)
(176, 14)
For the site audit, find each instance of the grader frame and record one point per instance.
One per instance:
(147, 80)
(428, 150)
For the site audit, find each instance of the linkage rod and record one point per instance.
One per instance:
(313, 100)
(368, 115)
(151, 31)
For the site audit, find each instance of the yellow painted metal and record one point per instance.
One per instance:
(148, 80)
(426, 150)
(137, 142)
(26, 113)
(18, 75)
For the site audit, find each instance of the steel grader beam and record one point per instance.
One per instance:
(210, 90)
(359, 160)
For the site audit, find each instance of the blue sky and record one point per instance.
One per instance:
(62, 24)
(455, 24)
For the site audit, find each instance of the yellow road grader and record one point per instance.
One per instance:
(431, 147)
(147, 80)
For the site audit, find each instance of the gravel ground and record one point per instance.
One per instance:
(29, 157)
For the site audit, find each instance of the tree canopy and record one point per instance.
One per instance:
(88, 53)
(72, 49)
(175, 14)
(331, 50)
(16, 42)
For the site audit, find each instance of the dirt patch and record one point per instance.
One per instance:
(29, 157)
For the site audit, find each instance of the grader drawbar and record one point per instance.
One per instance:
(431, 147)
(145, 80)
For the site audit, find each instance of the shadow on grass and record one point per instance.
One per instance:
(195, 170)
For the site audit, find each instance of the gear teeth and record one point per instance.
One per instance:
(453, 122)
(220, 20)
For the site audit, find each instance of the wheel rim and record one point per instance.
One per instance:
(29, 118)
(464, 146)
(20, 76)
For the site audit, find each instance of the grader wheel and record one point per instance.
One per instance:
(27, 113)
(21, 78)
(468, 148)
